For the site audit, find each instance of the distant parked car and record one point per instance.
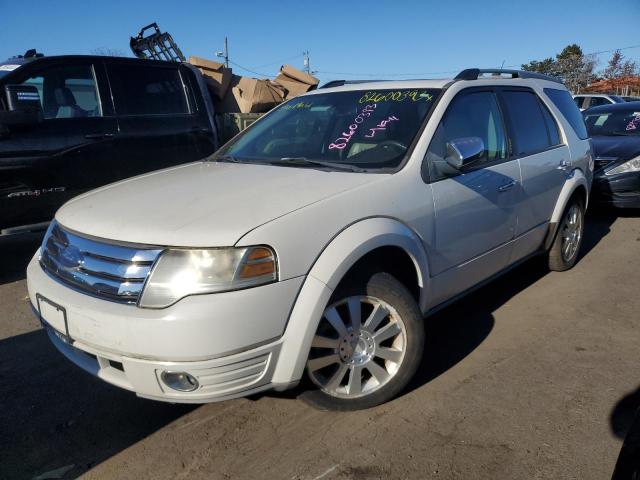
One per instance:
(590, 100)
(631, 99)
(615, 132)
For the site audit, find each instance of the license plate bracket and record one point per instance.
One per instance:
(54, 317)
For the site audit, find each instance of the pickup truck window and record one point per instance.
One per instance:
(67, 91)
(147, 90)
(362, 129)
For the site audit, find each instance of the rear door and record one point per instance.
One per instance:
(544, 160)
(69, 152)
(475, 209)
(157, 116)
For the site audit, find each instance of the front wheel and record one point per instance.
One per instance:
(566, 246)
(367, 346)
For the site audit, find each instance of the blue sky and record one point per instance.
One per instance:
(350, 38)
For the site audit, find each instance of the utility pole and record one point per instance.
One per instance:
(225, 53)
(307, 62)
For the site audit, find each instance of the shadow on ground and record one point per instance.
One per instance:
(15, 253)
(625, 423)
(52, 414)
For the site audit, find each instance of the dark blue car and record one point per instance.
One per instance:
(615, 131)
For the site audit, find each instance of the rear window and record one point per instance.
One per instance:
(563, 101)
(527, 121)
(143, 90)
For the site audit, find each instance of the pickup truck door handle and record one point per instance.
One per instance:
(563, 165)
(98, 136)
(507, 186)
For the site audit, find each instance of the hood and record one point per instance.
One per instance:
(204, 204)
(620, 147)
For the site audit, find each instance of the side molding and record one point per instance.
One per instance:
(333, 263)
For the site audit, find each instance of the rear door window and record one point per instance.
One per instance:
(147, 90)
(563, 102)
(527, 121)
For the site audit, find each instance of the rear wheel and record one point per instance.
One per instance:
(367, 346)
(566, 246)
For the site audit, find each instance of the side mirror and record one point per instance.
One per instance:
(462, 152)
(24, 106)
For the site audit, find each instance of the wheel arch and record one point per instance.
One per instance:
(347, 250)
(576, 184)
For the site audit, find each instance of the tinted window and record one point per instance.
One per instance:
(597, 101)
(469, 115)
(142, 90)
(527, 123)
(66, 91)
(563, 101)
(552, 126)
(579, 101)
(366, 129)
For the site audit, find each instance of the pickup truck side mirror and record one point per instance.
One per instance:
(462, 152)
(24, 106)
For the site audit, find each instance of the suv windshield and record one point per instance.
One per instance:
(355, 130)
(619, 122)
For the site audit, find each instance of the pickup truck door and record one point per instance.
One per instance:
(160, 125)
(69, 152)
(475, 209)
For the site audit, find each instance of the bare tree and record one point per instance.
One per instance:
(108, 52)
(614, 66)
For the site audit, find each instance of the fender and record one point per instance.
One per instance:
(329, 268)
(576, 179)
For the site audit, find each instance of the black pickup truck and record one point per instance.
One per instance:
(72, 123)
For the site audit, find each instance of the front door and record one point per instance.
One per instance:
(475, 209)
(69, 152)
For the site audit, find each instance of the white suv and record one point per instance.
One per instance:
(313, 244)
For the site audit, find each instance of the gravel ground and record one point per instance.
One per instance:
(534, 376)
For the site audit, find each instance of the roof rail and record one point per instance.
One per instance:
(475, 73)
(339, 83)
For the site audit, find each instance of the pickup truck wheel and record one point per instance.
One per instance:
(566, 246)
(367, 347)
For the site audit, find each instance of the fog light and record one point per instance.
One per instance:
(181, 381)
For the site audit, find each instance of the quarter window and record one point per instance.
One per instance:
(143, 90)
(563, 101)
(469, 115)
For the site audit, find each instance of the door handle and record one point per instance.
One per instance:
(563, 165)
(97, 136)
(507, 186)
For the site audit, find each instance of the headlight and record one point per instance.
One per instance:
(632, 165)
(179, 273)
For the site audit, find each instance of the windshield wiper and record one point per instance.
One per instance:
(227, 158)
(319, 163)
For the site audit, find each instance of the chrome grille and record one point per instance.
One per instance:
(108, 271)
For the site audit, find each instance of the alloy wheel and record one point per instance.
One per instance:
(358, 347)
(571, 232)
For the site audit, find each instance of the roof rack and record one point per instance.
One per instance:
(475, 73)
(158, 45)
(339, 83)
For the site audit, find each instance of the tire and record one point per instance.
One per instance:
(565, 248)
(356, 367)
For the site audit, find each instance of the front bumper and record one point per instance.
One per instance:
(621, 190)
(229, 341)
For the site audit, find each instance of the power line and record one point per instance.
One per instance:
(291, 57)
(248, 70)
(351, 74)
